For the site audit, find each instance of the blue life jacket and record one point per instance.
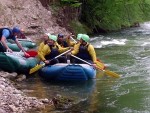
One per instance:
(54, 52)
(10, 31)
(83, 53)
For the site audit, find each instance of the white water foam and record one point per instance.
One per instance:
(114, 42)
(100, 44)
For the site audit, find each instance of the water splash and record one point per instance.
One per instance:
(114, 42)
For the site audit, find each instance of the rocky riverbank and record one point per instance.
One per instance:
(35, 19)
(13, 100)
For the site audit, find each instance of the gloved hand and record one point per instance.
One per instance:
(71, 48)
(26, 55)
(69, 54)
(70, 35)
(46, 61)
(94, 65)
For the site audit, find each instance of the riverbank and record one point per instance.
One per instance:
(13, 100)
(36, 20)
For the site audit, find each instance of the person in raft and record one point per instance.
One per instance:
(44, 40)
(65, 41)
(61, 41)
(7, 33)
(51, 50)
(84, 50)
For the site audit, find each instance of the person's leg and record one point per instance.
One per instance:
(62, 59)
(2, 48)
(54, 61)
(72, 59)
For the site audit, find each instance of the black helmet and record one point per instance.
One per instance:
(16, 30)
(60, 35)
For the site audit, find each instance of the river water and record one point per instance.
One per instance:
(127, 53)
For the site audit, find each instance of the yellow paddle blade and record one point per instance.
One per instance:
(112, 74)
(36, 68)
(100, 65)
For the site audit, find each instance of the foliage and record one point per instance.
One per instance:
(79, 28)
(113, 14)
(72, 3)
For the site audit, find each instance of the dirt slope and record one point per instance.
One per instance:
(29, 15)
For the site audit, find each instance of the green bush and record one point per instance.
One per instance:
(79, 27)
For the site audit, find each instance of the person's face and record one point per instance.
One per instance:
(50, 42)
(45, 38)
(60, 39)
(83, 42)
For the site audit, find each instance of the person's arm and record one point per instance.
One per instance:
(3, 40)
(62, 49)
(19, 45)
(5, 34)
(68, 40)
(40, 47)
(45, 51)
(75, 49)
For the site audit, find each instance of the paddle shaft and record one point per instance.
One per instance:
(73, 39)
(86, 62)
(28, 40)
(22, 53)
(61, 54)
(81, 60)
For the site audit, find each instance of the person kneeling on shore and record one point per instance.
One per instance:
(7, 33)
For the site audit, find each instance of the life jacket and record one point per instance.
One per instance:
(10, 31)
(54, 52)
(84, 53)
(63, 44)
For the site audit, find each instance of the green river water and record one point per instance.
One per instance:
(127, 53)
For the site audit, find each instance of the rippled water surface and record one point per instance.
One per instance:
(127, 53)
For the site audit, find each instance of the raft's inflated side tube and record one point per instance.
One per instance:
(25, 43)
(14, 47)
(7, 64)
(13, 63)
(73, 72)
(25, 64)
(28, 44)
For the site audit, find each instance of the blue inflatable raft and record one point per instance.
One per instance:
(64, 71)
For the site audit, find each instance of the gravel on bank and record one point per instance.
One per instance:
(13, 100)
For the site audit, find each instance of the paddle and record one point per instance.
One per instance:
(32, 53)
(107, 72)
(100, 65)
(29, 40)
(37, 67)
(73, 39)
